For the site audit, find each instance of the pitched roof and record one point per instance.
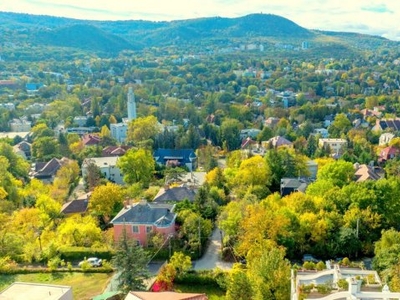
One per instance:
(164, 296)
(145, 213)
(278, 141)
(115, 150)
(90, 139)
(294, 183)
(365, 172)
(75, 206)
(48, 169)
(175, 194)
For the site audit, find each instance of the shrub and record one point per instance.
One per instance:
(7, 265)
(306, 288)
(324, 288)
(309, 265)
(343, 284)
(320, 266)
(54, 263)
(346, 261)
(77, 253)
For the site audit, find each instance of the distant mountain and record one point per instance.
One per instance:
(114, 36)
(82, 36)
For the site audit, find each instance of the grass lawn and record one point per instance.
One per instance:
(84, 285)
(212, 292)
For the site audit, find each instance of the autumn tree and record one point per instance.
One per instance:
(141, 130)
(106, 200)
(138, 166)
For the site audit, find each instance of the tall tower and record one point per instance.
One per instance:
(131, 105)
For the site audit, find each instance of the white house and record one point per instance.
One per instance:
(336, 145)
(385, 138)
(108, 168)
(118, 131)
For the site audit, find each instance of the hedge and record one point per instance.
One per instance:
(79, 253)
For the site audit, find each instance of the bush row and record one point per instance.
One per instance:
(79, 253)
(207, 277)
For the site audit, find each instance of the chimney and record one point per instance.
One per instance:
(166, 187)
(126, 204)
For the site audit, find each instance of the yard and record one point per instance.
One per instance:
(213, 293)
(84, 285)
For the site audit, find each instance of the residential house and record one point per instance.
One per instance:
(252, 133)
(11, 135)
(175, 194)
(328, 120)
(388, 153)
(164, 296)
(115, 150)
(20, 125)
(108, 168)
(322, 131)
(277, 141)
(271, 122)
(119, 131)
(36, 291)
(46, 171)
(80, 120)
(387, 124)
(335, 145)
(23, 149)
(91, 140)
(312, 168)
(176, 157)
(365, 172)
(142, 218)
(291, 185)
(385, 138)
(76, 206)
(248, 144)
(9, 106)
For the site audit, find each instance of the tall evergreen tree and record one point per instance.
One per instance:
(131, 262)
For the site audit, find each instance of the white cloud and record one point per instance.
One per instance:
(365, 16)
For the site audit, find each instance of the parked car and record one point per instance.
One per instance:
(309, 257)
(93, 261)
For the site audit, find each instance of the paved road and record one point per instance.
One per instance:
(211, 259)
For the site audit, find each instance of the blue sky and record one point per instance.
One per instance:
(365, 16)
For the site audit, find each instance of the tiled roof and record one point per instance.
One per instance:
(165, 296)
(175, 194)
(75, 206)
(144, 213)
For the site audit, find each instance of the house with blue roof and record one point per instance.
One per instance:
(176, 158)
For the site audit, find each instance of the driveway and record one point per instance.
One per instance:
(211, 259)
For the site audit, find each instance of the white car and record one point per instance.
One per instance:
(93, 261)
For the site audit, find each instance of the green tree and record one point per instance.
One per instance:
(138, 166)
(238, 284)
(45, 148)
(131, 261)
(339, 172)
(230, 134)
(341, 125)
(181, 262)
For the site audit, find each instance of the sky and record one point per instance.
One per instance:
(376, 17)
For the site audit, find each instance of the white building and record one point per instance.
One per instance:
(36, 291)
(18, 125)
(119, 130)
(336, 145)
(385, 138)
(108, 168)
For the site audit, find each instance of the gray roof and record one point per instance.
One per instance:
(146, 213)
(295, 183)
(175, 194)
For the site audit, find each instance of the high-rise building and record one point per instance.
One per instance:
(131, 105)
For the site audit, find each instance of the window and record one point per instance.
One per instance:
(149, 229)
(135, 229)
